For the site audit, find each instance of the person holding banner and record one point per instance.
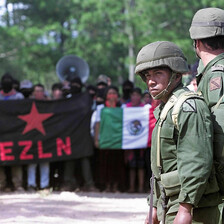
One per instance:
(44, 167)
(134, 158)
(70, 182)
(111, 162)
(9, 93)
(185, 186)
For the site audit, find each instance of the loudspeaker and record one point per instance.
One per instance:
(71, 66)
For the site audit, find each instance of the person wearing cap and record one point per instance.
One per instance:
(185, 186)
(207, 32)
(26, 88)
(101, 85)
(103, 79)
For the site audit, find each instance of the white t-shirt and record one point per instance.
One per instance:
(98, 111)
(95, 118)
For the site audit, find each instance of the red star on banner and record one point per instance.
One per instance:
(34, 120)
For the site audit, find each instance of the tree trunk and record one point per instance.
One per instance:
(131, 57)
(128, 7)
(7, 14)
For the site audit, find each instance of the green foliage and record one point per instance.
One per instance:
(37, 33)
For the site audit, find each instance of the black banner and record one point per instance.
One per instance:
(32, 131)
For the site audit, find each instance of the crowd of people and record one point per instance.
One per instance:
(187, 141)
(107, 170)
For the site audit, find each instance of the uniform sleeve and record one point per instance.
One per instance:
(194, 150)
(156, 194)
(215, 87)
(155, 198)
(215, 96)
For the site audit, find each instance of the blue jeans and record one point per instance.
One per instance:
(44, 175)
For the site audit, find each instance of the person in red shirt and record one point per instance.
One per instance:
(135, 158)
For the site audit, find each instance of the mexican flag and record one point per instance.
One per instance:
(125, 128)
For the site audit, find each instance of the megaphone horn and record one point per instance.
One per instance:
(71, 66)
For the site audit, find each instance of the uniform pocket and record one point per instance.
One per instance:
(171, 183)
(167, 131)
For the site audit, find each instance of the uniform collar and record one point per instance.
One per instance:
(202, 70)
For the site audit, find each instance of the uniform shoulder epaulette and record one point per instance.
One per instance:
(217, 67)
(189, 106)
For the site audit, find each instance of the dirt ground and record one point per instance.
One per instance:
(68, 207)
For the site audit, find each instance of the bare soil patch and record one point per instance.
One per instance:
(68, 207)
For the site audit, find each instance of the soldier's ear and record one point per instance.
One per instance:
(197, 43)
(178, 77)
(201, 45)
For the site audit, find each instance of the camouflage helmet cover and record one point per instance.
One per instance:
(161, 54)
(208, 22)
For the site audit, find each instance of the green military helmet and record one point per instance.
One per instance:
(208, 22)
(161, 54)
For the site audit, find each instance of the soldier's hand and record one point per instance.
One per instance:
(184, 214)
(154, 217)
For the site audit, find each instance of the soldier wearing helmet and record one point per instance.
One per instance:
(207, 32)
(175, 64)
(185, 188)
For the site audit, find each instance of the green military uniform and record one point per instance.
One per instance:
(181, 151)
(210, 84)
(208, 27)
(211, 80)
(189, 151)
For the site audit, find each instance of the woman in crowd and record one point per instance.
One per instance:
(135, 158)
(111, 162)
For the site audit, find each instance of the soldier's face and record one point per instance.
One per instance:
(157, 80)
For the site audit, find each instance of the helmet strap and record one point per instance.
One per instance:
(165, 91)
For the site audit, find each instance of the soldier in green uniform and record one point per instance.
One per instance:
(207, 32)
(185, 186)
